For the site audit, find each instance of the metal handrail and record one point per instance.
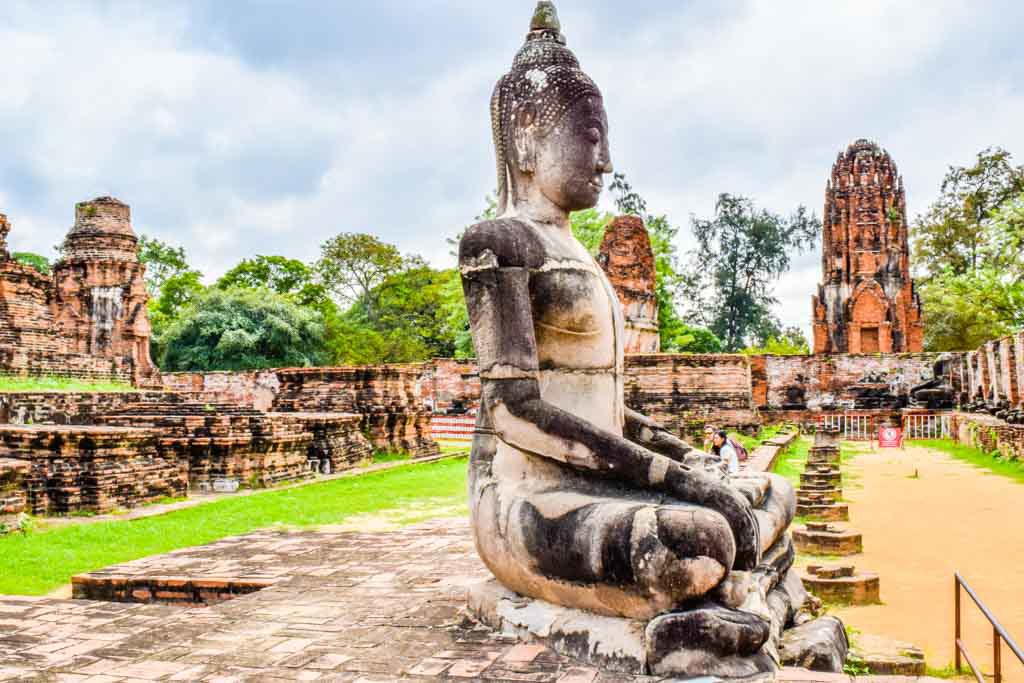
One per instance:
(998, 634)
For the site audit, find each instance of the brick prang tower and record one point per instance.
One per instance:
(628, 260)
(866, 302)
(100, 292)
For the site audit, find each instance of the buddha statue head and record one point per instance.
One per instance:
(549, 124)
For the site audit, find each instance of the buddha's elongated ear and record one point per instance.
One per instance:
(524, 137)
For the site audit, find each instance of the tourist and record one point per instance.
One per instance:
(709, 437)
(723, 448)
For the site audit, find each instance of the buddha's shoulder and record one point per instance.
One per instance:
(511, 241)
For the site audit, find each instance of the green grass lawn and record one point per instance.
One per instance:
(12, 383)
(791, 463)
(1013, 469)
(752, 442)
(39, 562)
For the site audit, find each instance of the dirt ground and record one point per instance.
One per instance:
(925, 515)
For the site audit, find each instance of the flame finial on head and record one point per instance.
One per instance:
(545, 75)
(545, 17)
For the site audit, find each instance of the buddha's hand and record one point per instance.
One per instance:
(697, 487)
(668, 444)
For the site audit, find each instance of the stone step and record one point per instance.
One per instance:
(819, 495)
(842, 584)
(887, 657)
(823, 538)
(824, 511)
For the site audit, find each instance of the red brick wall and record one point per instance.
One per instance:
(833, 374)
(255, 389)
(686, 391)
(989, 434)
(446, 381)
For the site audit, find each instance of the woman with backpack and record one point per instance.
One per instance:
(723, 448)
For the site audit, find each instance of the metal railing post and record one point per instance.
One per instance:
(956, 640)
(996, 655)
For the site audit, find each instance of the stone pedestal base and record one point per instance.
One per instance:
(885, 657)
(844, 585)
(824, 511)
(821, 538)
(663, 646)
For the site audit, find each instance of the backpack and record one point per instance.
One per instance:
(741, 452)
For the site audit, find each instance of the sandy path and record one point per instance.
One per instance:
(918, 531)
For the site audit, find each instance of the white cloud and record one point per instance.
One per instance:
(232, 156)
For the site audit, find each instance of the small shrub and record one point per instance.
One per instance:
(23, 524)
(855, 666)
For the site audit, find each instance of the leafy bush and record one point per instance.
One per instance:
(238, 329)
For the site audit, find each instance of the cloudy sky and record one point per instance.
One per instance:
(264, 127)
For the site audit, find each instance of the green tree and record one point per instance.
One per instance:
(964, 310)
(790, 342)
(172, 284)
(243, 329)
(589, 227)
(352, 266)
(741, 252)
(953, 234)
(968, 251)
(27, 258)
(282, 275)
(457, 317)
(163, 262)
(414, 302)
(678, 337)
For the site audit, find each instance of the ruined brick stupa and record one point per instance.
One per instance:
(89, 318)
(866, 302)
(628, 261)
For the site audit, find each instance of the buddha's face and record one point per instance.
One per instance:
(573, 158)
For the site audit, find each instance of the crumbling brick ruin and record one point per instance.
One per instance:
(89, 318)
(628, 261)
(67, 452)
(866, 302)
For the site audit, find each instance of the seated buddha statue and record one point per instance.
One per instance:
(576, 499)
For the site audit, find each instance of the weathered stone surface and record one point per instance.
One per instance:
(827, 477)
(843, 585)
(822, 538)
(823, 455)
(699, 642)
(628, 261)
(867, 302)
(613, 643)
(811, 494)
(887, 657)
(709, 641)
(819, 645)
(824, 512)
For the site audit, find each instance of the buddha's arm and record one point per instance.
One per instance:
(496, 281)
(645, 432)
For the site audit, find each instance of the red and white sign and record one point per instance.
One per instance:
(890, 437)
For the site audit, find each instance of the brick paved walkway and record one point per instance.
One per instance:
(341, 606)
